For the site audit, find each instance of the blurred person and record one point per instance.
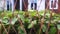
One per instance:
(33, 4)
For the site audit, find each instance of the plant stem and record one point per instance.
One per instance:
(4, 27)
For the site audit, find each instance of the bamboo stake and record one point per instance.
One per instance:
(3, 27)
(4, 6)
(10, 18)
(1, 21)
(12, 26)
(18, 17)
(14, 6)
(22, 26)
(0, 28)
(49, 22)
(42, 20)
(39, 18)
(25, 5)
(50, 17)
(58, 32)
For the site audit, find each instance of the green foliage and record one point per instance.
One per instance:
(32, 24)
(58, 26)
(21, 31)
(32, 21)
(53, 30)
(44, 28)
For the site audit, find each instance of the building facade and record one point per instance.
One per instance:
(26, 4)
(53, 5)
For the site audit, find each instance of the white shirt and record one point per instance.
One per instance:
(33, 1)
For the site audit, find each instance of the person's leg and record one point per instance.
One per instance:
(7, 7)
(31, 5)
(35, 6)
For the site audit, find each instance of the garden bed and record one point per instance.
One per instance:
(31, 22)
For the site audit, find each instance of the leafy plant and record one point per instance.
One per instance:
(22, 22)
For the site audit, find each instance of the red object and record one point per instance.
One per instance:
(55, 10)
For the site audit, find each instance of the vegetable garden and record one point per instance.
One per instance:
(29, 22)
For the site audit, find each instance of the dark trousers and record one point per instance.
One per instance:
(7, 7)
(35, 4)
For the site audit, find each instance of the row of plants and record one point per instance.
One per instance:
(31, 22)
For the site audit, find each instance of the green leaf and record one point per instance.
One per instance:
(53, 30)
(32, 24)
(5, 21)
(27, 20)
(0, 26)
(44, 28)
(20, 30)
(22, 18)
(58, 26)
(14, 21)
(33, 13)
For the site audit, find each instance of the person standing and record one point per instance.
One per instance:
(7, 4)
(33, 4)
